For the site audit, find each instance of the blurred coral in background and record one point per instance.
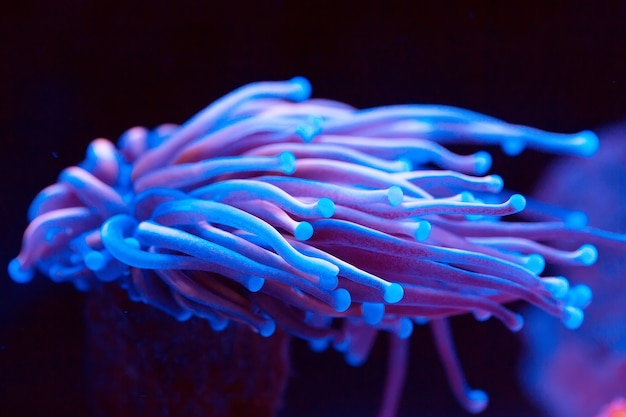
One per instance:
(575, 374)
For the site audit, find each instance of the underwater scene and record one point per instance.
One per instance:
(272, 210)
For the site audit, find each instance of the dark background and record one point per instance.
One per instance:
(71, 71)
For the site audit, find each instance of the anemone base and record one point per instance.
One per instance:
(141, 362)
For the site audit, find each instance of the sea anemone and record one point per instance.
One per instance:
(269, 208)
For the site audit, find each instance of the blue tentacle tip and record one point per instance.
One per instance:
(589, 143)
(18, 274)
(303, 90)
(572, 317)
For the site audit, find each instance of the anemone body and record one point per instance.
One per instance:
(272, 209)
(140, 362)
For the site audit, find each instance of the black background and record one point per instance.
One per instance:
(71, 71)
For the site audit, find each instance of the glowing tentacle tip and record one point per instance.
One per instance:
(406, 328)
(423, 231)
(496, 183)
(218, 325)
(467, 197)
(18, 274)
(287, 162)
(477, 401)
(329, 282)
(343, 345)
(302, 89)
(318, 345)
(406, 165)
(535, 263)
(481, 315)
(393, 293)
(186, 315)
(588, 143)
(372, 312)
(572, 317)
(579, 296)
(395, 195)
(268, 328)
(95, 260)
(587, 254)
(342, 300)
(254, 284)
(557, 286)
(307, 132)
(303, 231)
(421, 321)
(326, 207)
(518, 202)
(519, 323)
(353, 360)
(482, 162)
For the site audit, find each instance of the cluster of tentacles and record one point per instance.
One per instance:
(271, 208)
